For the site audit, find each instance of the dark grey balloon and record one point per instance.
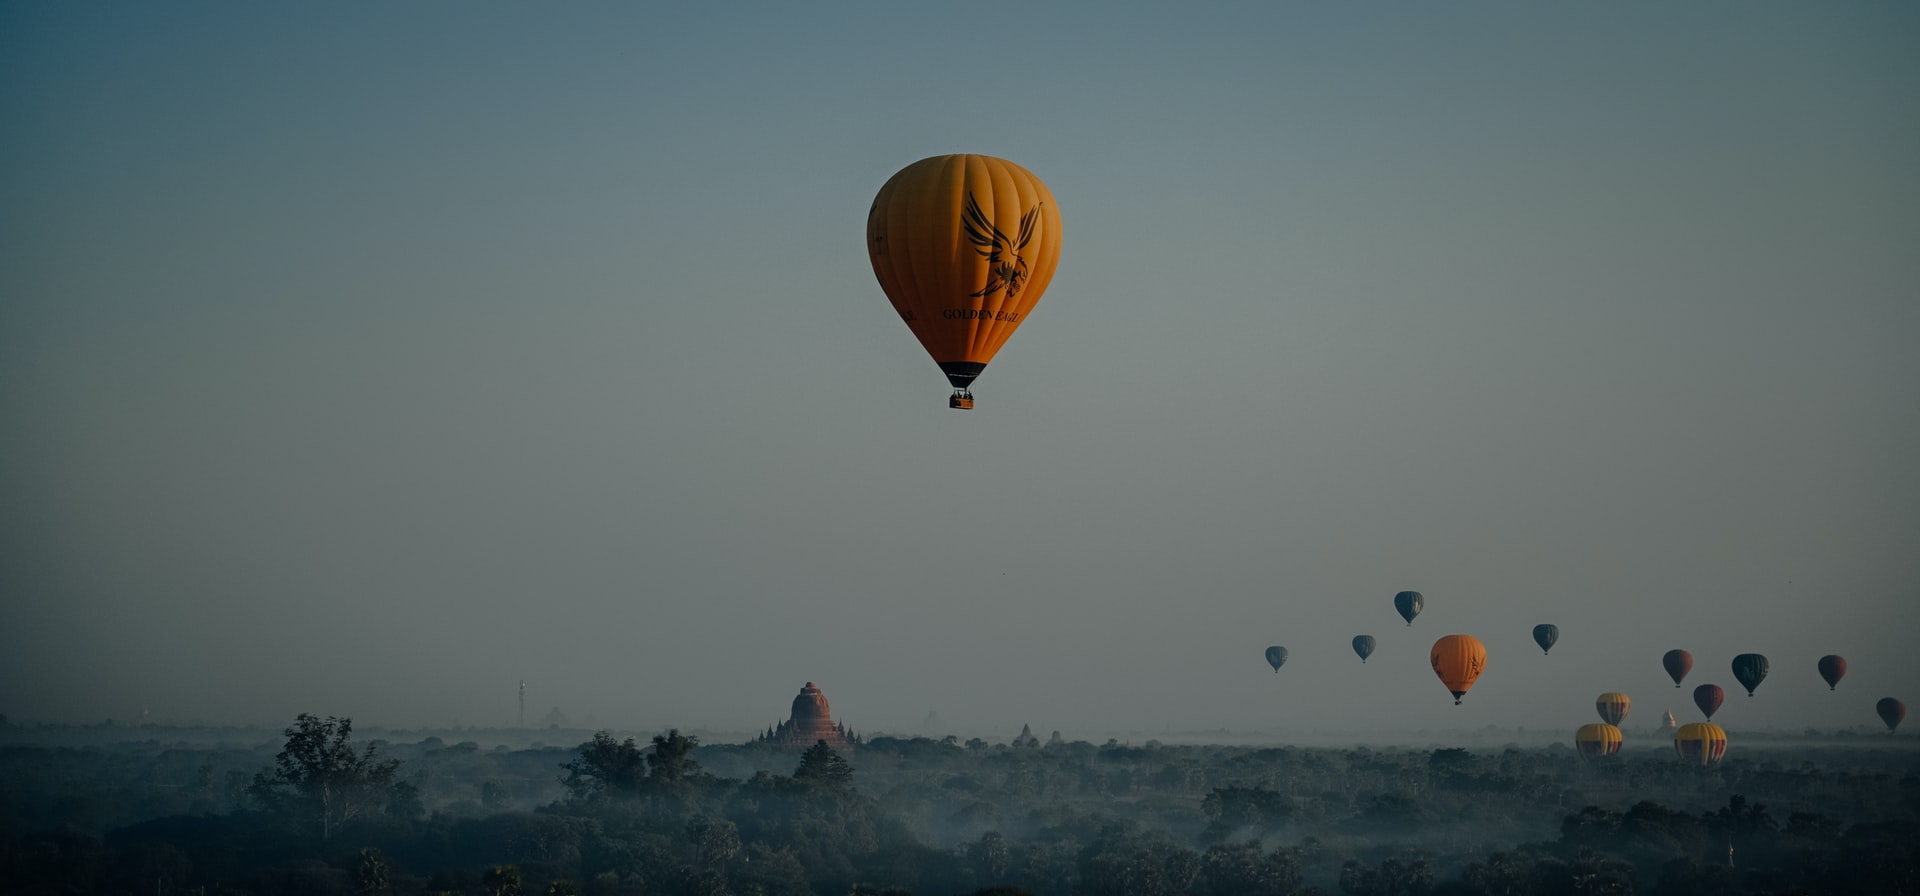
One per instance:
(1276, 657)
(1409, 603)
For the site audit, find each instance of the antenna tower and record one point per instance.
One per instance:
(523, 703)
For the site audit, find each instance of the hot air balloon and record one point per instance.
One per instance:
(1276, 657)
(1750, 669)
(1708, 697)
(1613, 707)
(1545, 635)
(1409, 603)
(963, 246)
(1700, 743)
(1678, 663)
(1833, 668)
(1596, 740)
(1458, 660)
(1891, 712)
(1363, 645)
(1670, 722)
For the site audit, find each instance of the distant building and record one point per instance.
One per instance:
(810, 723)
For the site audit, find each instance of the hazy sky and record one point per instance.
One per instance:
(366, 359)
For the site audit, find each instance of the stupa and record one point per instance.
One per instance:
(811, 723)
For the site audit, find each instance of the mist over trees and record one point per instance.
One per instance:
(317, 812)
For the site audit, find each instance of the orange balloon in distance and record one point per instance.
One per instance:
(963, 246)
(1458, 660)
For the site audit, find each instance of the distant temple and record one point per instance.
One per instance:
(812, 722)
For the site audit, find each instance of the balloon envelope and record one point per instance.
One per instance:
(1458, 660)
(1833, 668)
(963, 246)
(1701, 743)
(1545, 635)
(1708, 697)
(1363, 645)
(1596, 740)
(1891, 712)
(1409, 603)
(1613, 707)
(1678, 663)
(1750, 669)
(1276, 657)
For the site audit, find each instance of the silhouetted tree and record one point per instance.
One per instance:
(320, 773)
(1392, 878)
(370, 874)
(990, 857)
(714, 841)
(822, 767)
(672, 757)
(605, 768)
(503, 880)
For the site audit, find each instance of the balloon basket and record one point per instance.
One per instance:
(960, 400)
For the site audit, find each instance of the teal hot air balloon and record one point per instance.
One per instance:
(1750, 669)
(1545, 635)
(1409, 603)
(1363, 645)
(1276, 657)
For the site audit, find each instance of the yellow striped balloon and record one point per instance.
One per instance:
(1613, 707)
(1597, 740)
(1701, 743)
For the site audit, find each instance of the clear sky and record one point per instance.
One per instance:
(364, 359)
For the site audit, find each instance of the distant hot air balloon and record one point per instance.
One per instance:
(1678, 663)
(1750, 669)
(1613, 707)
(963, 246)
(1458, 660)
(1596, 740)
(1891, 712)
(1545, 636)
(1700, 743)
(1363, 645)
(1409, 603)
(1671, 722)
(1276, 657)
(1708, 697)
(1833, 668)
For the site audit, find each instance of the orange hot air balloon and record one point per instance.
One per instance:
(963, 246)
(1613, 707)
(1700, 743)
(1458, 660)
(1597, 740)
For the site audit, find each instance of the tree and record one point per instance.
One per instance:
(991, 857)
(370, 874)
(320, 774)
(503, 880)
(714, 841)
(823, 767)
(606, 768)
(672, 757)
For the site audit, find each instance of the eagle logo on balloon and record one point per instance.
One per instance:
(1006, 267)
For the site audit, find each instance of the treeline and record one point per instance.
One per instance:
(327, 815)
